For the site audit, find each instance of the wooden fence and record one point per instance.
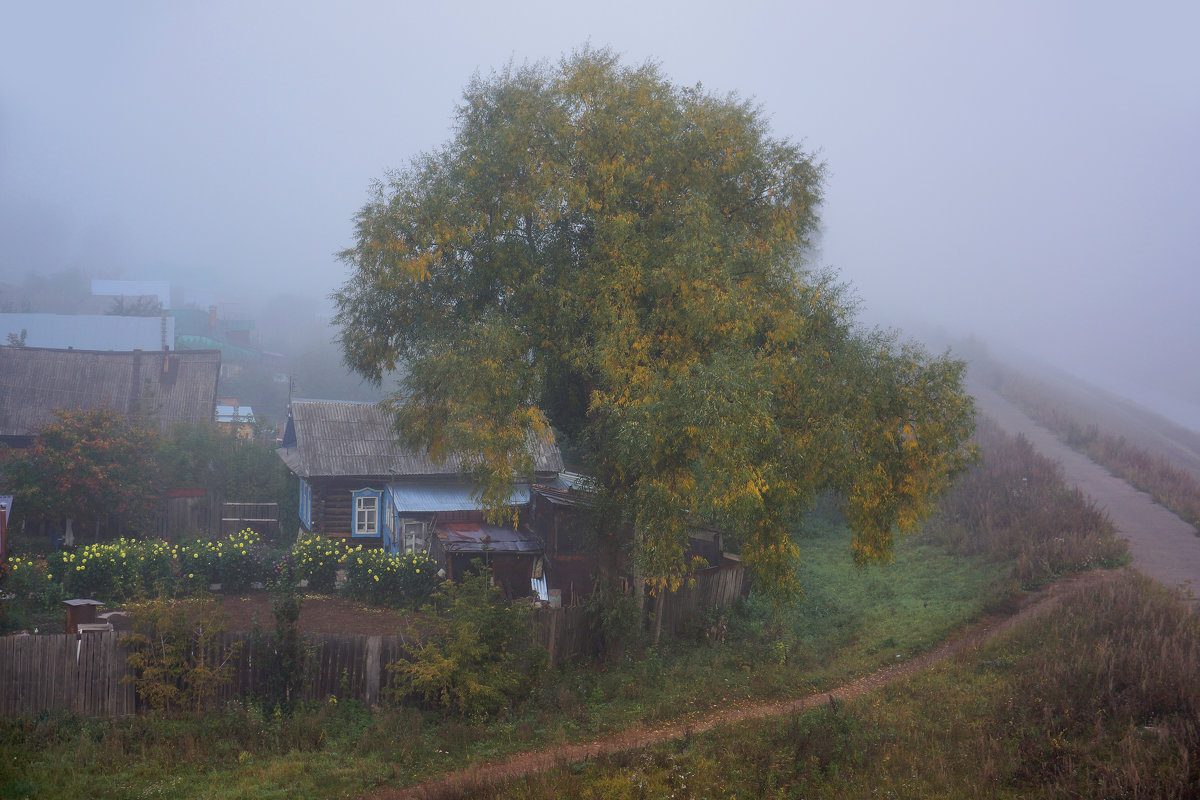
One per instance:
(87, 674)
(717, 587)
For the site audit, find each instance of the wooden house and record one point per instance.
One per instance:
(163, 387)
(356, 482)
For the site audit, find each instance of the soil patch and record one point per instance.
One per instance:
(318, 614)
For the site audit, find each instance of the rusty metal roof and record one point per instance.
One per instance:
(470, 537)
(173, 386)
(329, 438)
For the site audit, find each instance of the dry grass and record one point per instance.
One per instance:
(1169, 485)
(1013, 506)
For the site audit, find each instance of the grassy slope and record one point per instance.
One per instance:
(1098, 699)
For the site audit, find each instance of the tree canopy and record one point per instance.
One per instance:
(604, 254)
(89, 465)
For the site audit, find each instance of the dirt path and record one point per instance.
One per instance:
(462, 783)
(1163, 546)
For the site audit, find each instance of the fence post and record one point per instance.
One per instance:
(371, 678)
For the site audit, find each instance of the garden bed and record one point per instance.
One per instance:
(318, 614)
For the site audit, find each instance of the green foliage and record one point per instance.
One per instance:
(28, 587)
(317, 560)
(476, 658)
(118, 570)
(208, 457)
(92, 465)
(615, 621)
(130, 568)
(285, 655)
(604, 253)
(177, 655)
(378, 577)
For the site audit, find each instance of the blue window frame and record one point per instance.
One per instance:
(365, 513)
(305, 505)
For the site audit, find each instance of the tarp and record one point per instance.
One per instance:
(414, 498)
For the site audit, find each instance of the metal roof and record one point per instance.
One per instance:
(470, 537)
(458, 496)
(91, 331)
(330, 438)
(172, 387)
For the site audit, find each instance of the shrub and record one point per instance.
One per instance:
(29, 586)
(240, 560)
(476, 657)
(1015, 506)
(117, 570)
(378, 577)
(317, 561)
(285, 656)
(176, 653)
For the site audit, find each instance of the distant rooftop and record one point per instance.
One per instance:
(159, 289)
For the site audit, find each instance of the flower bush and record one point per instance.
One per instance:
(317, 561)
(28, 586)
(127, 569)
(378, 577)
(235, 562)
(118, 570)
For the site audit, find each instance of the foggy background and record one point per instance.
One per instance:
(1025, 172)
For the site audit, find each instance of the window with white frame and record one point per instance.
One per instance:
(413, 540)
(366, 512)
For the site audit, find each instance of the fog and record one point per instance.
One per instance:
(1025, 172)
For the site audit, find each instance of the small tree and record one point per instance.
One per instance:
(176, 653)
(476, 658)
(89, 465)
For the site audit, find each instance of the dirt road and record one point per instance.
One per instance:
(1163, 546)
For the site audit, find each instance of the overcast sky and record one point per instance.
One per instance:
(1024, 171)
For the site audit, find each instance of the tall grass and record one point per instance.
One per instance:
(1098, 699)
(1014, 507)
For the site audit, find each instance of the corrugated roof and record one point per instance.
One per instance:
(469, 537)
(410, 497)
(344, 438)
(177, 387)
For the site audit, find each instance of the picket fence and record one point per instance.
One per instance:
(87, 674)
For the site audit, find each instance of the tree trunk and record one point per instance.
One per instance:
(639, 577)
(658, 614)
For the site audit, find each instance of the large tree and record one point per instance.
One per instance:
(601, 253)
